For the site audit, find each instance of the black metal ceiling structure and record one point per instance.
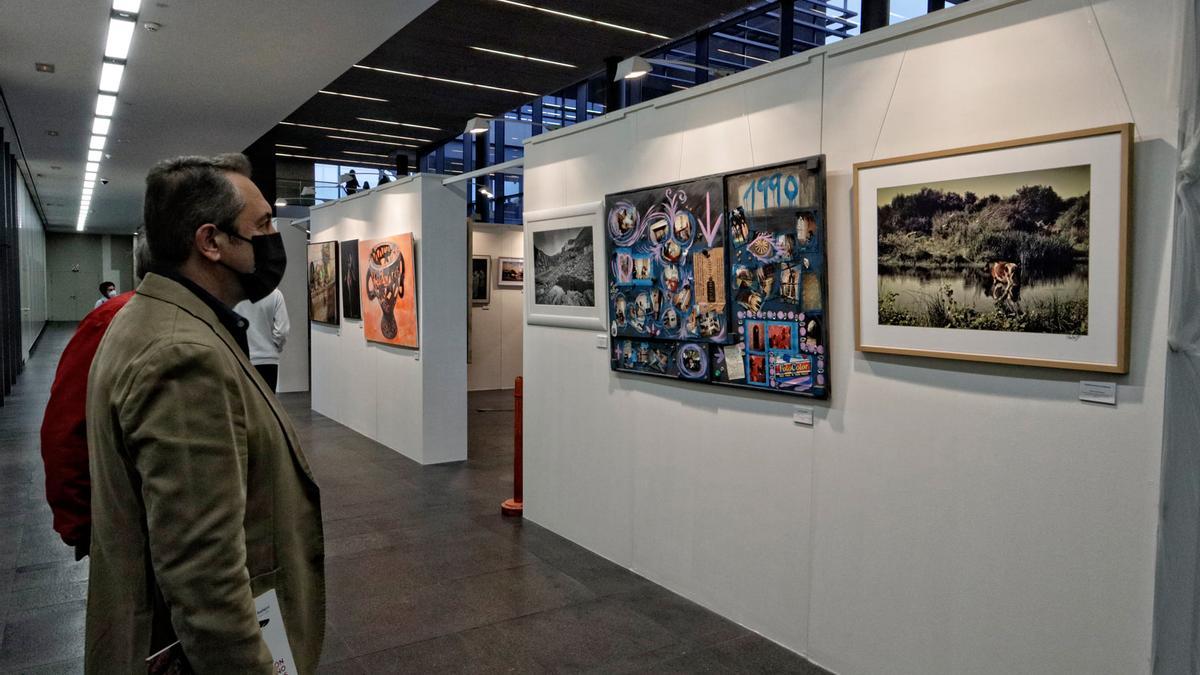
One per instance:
(421, 86)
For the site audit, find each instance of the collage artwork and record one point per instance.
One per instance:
(722, 280)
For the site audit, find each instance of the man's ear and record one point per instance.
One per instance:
(206, 242)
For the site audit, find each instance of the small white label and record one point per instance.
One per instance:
(733, 363)
(601, 341)
(1098, 392)
(803, 414)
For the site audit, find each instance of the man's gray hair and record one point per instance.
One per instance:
(142, 262)
(184, 193)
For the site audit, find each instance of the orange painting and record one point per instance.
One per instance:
(389, 290)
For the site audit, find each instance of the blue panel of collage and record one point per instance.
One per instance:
(777, 281)
(666, 262)
(682, 360)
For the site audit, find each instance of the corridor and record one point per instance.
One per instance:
(424, 575)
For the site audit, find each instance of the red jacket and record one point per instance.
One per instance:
(64, 428)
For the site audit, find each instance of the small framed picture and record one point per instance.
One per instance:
(510, 272)
(481, 279)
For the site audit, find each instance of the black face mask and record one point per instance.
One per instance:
(270, 260)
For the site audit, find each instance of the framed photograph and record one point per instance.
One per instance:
(481, 279)
(1012, 252)
(323, 282)
(565, 289)
(510, 272)
(389, 290)
(351, 307)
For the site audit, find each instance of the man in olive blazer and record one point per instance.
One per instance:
(202, 498)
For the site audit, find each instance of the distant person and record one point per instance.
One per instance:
(108, 291)
(267, 333)
(383, 178)
(202, 500)
(351, 183)
(366, 185)
(64, 424)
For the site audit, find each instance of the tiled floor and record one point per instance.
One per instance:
(424, 575)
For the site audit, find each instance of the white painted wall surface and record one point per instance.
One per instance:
(413, 401)
(940, 517)
(31, 242)
(497, 327)
(293, 362)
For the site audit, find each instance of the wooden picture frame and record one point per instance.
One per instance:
(1025, 275)
(510, 272)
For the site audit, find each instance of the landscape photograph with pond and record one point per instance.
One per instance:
(1007, 252)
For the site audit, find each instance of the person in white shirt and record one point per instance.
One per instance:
(108, 291)
(267, 332)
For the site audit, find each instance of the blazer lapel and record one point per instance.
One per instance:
(162, 288)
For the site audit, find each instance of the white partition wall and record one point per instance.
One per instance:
(496, 327)
(411, 400)
(293, 363)
(939, 517)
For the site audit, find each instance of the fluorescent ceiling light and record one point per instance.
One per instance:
(120, 34)
(364, 154)
(331, 159)
(93, 167)
(744, 56)
(476, 125)
(294, 147)
(95, 155)
(372, 140)
(399, 124)
(89, 183)
(632, 68)
(365, 98)
(100, 126)
(355, 131)
(131, 6)
(584, 19)
(97, 143)
(522, 56)
(446, 80)
(91, 175)
(110, 77)
(105, 104)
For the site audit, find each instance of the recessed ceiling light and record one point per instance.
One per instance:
(365, 98)
(131, 6)
(94, 155)
(355, 131)
(446, 80)
(105, 104)
(585, 19)
(372, 140)
(522, 56)
(91, 175)
(120, 34)
(100, 126)
(110, 77)
(97, 143)
(92, 166)
(398, 124)
(44, 67)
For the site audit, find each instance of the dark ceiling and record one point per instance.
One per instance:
(438, 44)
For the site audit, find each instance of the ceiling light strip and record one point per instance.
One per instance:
(398, 124)
(372, 140)
(355, 131)
(364, 98)
(585, 19)
(330, 159)
(446, 80)
(522, 56)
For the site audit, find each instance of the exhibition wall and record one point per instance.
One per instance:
(496, 326)
(411, 400)
(293, 362)
(77, 263)
(938, 516)
(31, 239)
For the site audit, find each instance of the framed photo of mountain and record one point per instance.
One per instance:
(1012, 252)
(565, 287)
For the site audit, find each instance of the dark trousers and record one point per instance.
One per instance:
(270, 373)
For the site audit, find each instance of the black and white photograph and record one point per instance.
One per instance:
(564, 267)
(481, 288)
